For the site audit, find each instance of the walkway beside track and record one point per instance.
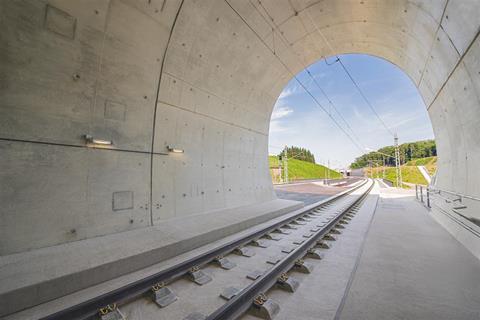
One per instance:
(412, 268)
(393, 261)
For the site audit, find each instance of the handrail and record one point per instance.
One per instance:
(455, 209)
(455, 194)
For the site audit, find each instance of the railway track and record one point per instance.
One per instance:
(233, 279)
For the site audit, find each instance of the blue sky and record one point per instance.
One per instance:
(297, 120)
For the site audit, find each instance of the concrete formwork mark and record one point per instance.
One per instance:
(156, 104)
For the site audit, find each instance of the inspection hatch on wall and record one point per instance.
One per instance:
(122, 200)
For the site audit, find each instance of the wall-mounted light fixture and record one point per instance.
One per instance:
(174, 149)
(91, 140)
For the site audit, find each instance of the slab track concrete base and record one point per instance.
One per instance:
(393, 261)
(34, 277)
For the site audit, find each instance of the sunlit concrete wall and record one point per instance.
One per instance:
(201, 76)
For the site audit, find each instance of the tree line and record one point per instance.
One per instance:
(298, 153)
(408, 151)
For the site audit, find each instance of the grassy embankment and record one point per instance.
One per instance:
(302, 170)
(430, 164)
(410, 172)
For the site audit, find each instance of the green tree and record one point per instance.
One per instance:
(298, 153)
(408, 151)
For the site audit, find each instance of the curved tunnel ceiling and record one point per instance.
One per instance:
(202, 76)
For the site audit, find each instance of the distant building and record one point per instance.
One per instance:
(345, 172)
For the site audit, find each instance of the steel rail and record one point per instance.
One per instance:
(89, 309)
(239, 304)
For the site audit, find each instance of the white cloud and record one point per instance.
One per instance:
(289, 91)
(281, 112)
(408, 119)
(278, 121)
(277, 127)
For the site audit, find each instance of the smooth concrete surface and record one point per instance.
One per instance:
(457, 219)
(425, 174)
(393, 261)
(411, 268)
(306, 198)
(321, 292)
(307, 192)
(191, 297)
(201, 76)
(63, 269)
(77, 297)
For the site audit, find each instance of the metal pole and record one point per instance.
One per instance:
(397, 162)
(428, 198)
(416, 191)
(280, 167)
(421, 194)
(383, 167)
(328, 171)
(324, 173)
(285, 164)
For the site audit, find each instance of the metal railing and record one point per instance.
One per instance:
(451, 202)
(459, 195)
(424, 193)
(419, 194)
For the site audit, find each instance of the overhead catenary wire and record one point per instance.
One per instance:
(304, 65)
(335, 108)
(331, 64)
(329, 115)
(367, 101)
(320, 88)
(365, 98)
(293, 75)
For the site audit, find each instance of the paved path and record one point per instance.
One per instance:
(307, 192)
(425, 173)
(393, 261)
(411, 268)
(382, 184)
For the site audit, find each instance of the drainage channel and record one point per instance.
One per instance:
(232, 279)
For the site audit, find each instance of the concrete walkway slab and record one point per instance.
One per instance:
(412, 268)
(321, 292)
(34, 277)
(392, 261)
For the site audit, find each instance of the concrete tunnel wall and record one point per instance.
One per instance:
(202, 76)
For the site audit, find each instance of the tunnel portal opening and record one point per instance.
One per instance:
(337, 113)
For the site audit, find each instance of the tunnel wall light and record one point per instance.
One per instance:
(91, 140)
(174, 149)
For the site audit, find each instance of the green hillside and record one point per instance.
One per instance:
(421, 161)
(430, 164)
(408, 151)
(301, 170)
(410, 174)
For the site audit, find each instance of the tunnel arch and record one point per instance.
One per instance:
(334, 112)
(202, 76)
